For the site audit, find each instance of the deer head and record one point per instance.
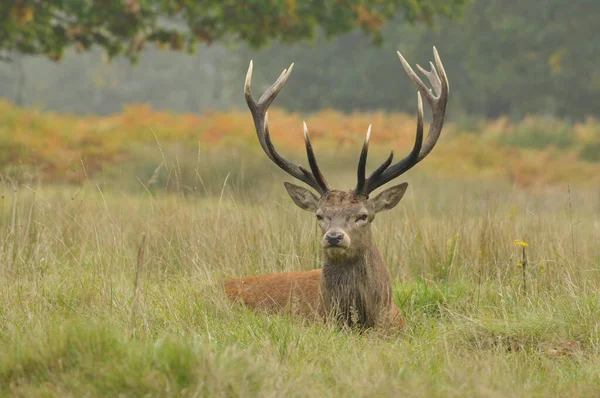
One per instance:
(344, 216)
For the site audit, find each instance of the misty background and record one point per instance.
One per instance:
(512, 58)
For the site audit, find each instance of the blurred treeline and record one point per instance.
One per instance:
(506, 57)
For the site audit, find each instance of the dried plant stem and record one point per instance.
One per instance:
(570, 213)
(524, 267)
(136, 282)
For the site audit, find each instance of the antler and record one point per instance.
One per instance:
(437, 98)
(259, 114)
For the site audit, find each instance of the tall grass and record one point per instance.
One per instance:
(109, 289)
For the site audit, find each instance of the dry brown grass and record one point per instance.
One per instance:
(69, 259)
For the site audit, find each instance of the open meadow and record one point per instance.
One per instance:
(111, 249)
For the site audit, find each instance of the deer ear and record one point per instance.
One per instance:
(302, 197)
(389, 198)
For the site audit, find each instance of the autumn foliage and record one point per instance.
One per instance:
(534, 151)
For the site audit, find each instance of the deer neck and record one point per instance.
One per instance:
(356, 288)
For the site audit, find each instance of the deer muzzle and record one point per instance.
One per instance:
(335, 238)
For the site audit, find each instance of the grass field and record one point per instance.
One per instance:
(109, 290)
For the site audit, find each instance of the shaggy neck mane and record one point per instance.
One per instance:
(355, 289)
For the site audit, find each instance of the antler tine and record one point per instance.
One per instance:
(312, 161)
(438, 108)
(268, 96)
(362, 163)
(298, 172)
(261, 124)
(437, 98)
(260, 108)
(433, 78)
(385, 172)
(377, 173)
(440, 66)
(423, 89)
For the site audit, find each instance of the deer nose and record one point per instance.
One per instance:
(333, 238)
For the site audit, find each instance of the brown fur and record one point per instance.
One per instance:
(353, 287)
(296, 292)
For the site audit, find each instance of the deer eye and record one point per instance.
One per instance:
(319, 217)
(362, 217)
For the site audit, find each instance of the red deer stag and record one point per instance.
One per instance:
(354, 285)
